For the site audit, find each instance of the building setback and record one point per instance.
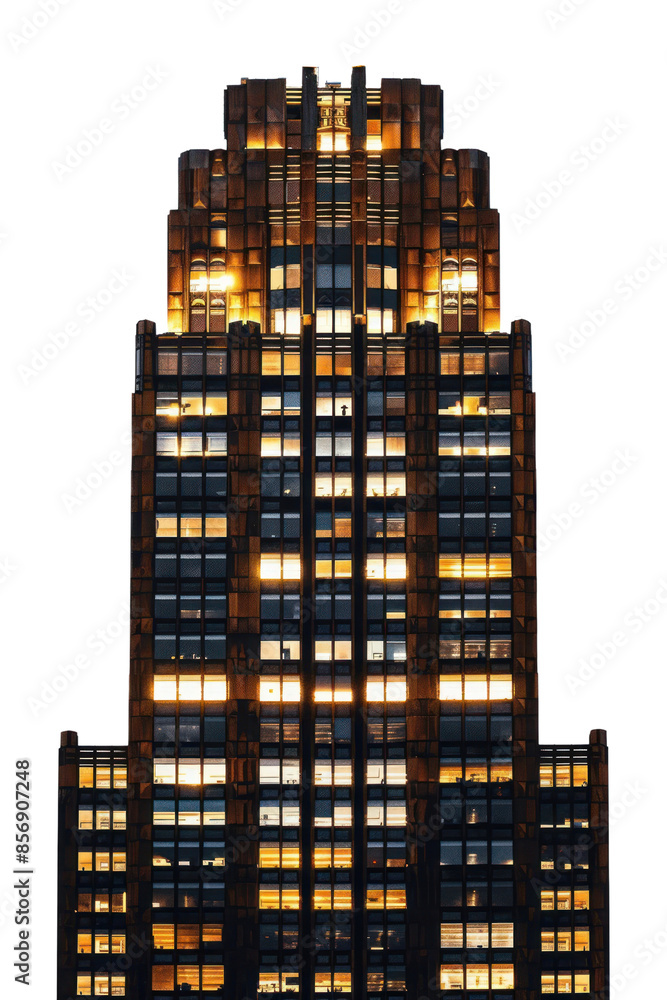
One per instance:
(333, 781)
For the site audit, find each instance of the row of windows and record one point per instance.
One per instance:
(474, 363)
(207, 978)
(564, 815)
(213, 362)
(100, 944)
(185, 937)
(189, 855)
(170, 525)
(338, 774)
(566, 940)
(476, 852)
(101, 861)
(470, 404)
(169, 403)
(189, 896)
(103, 776)
(190, 812)
(191, 443)
(189, 687)
(275, 772)
(477, 977)
(564, 899)
(102, 819)
(580, 982)
(273, 855)
(326, 898)
(191, 483)
(563, 775)
(101, 985)
(193, 362)
(477, 935)
(101, 902)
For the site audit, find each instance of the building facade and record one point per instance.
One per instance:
(333, 781)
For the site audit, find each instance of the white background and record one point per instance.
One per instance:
(535, 89)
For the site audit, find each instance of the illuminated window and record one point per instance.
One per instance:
(279, 362)
(385, 899)
(475, 567)
(86, 819)
(476, 687)
(276, 898)
(451, 774)
(451, 935)
(338, 484)
(386, 689)
(451, 977)
(188, 687)
(338, 856)
(339, 649)
(86, 779)
(275, 567)
(338, 773)
(190, 526)
(392, 566)
(280, 649)
(340, 568)
(389, 484)
(389, 814)
(325, 898)
(273, 689)
(277, 982)
(273, 812)
(275, 772)
(389, 649)
(273, 856)
(380, 445)
(84, 943)
(340, 692)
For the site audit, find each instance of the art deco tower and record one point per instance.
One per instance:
(333, 782)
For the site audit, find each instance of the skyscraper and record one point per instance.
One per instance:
(333, 781)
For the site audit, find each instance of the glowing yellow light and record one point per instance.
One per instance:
(273, 568)
(475, 567)
(270, 689)
(476, 687)
(219, 282)
(450, 281)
